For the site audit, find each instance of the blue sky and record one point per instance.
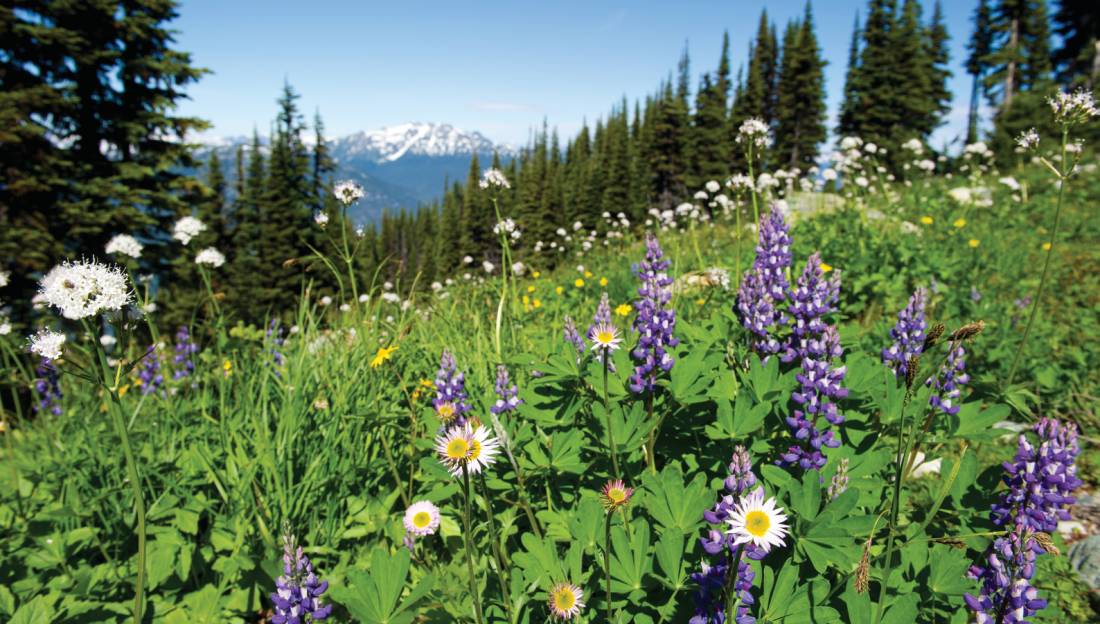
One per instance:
(497, 67)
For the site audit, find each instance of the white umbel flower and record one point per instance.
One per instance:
(758, 521)
(187, 228)
(125, 245)
(753, 131)
(47, 344)
(1073, 108)
(320, 218)
(494, 178)
(210, 256)
(422, 518)
(5, 278)
(86, 288)
(348, 192)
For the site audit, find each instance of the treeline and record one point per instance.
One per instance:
(91, 147)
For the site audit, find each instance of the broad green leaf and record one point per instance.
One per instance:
(674, 504)
(670, 558)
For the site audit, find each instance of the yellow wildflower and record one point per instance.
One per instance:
(825, 268)
(974, 242)
(700, 301)
(588, 274)
(530, 289)
(926, 220)
(535, 303)
(603, 281)
(559, 290)
(227, 368)
(960, 222)
(1046, 246)
(579, 283)
(535, 274)
(623, 309)
(383, 354)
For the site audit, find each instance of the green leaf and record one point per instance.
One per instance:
(37, 610)
(978, 425)
(948, 574)
(372, 596)
(674, 504)
(630, 560)
(670, 558)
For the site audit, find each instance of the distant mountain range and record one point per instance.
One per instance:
(398, 166)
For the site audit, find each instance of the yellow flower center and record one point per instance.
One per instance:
(757, 523)
(564, 599)
(422, 519)
(457, 449)
(616, 495)
(446, 411)
(474, 452)
(605, 336)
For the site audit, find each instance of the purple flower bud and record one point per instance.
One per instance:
(507, 392)
(655, 320)
(908, 335)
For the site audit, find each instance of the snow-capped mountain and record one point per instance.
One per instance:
(415, 139)
(398, 166)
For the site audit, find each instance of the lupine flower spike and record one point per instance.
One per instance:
(908, 335)
(765, 285)
(450, 385)
(655, 321)
(297, 597)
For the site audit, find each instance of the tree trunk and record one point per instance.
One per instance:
(1010, 71)
(972, 118)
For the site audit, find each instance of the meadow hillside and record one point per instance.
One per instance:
(332, 427)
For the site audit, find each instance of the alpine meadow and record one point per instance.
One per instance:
(810, 336)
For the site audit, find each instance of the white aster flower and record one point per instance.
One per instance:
(210, 256)
(488, 266)
(961, 195)
(187, 228)
(466, 448)
(47, 344)
(5, 328)
(86, 288)
(829, 174)
(757, 521)
(422, 518)
(566, 601)
(326, 300)
(913, 145)
(605, 337)
(125, 245)
(348, 192)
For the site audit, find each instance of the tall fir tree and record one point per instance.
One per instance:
(246, 270)
(800, 127)
(1077, 24)
(92, 144)
(847, 119)
(979, 48)
(710, 146)
(939, 71)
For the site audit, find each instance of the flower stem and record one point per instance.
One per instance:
(733, 599)
(607, 559)
(479, 617)
(895, 506)
(607, 416)
(1046, 263)
(498, 551)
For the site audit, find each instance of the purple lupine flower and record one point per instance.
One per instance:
(947, 385)
(820, 388)
(1006, 581)
(811, 299)
(572, 336)
(507, 392)
(150, 373)
(185, 348)
(908, 335)
(655, 320)
(1040, 479)
(450, 386)
(765, 284)
(47, 384)
(297, 597)
(709, 605)
(276, 337)
(975, 294)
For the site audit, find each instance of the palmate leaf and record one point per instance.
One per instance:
(739, 418)
(630, 560)
(372, 596)
(676, 505)
(792, 600)
(670, 559)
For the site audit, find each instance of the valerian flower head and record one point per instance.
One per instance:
(187, 228)
(348, 192)
(125, 245)
(84, 289)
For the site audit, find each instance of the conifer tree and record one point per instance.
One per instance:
(1020, 51)
(879, 115)
(800, 126)
(760, 94)
(246, 270)
(105, 151)
(980, 47)
(1077, 24)
(847, 119)
(912, 68)
(710, 145)
(939, 57)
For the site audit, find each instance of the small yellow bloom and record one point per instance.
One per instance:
(960, 222)
(426, 383)
(974, 242)
(383, 354)
(926, 220)
(530, 289)
(227, 368)
(526, 300)
(588, 274)
(535, 274)
(535, 303)
(700, 301)
(825, 268)
(559, 290)
(603, 281)
(122, 390)
(623, 309)
(579, 283)
(1046, 246)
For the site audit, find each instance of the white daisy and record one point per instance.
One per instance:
(467, 447)
(758, 521)
(605, 336)
(47, 344)
(187, 228)
(125, 245)
(210, 256)
(566, 601)
(422, 518)
(86, 288)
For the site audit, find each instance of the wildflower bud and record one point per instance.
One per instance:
(966, 332)
(863, 572)
(289, 262)
(1046, 543)
(933, 336)
(911, 368)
